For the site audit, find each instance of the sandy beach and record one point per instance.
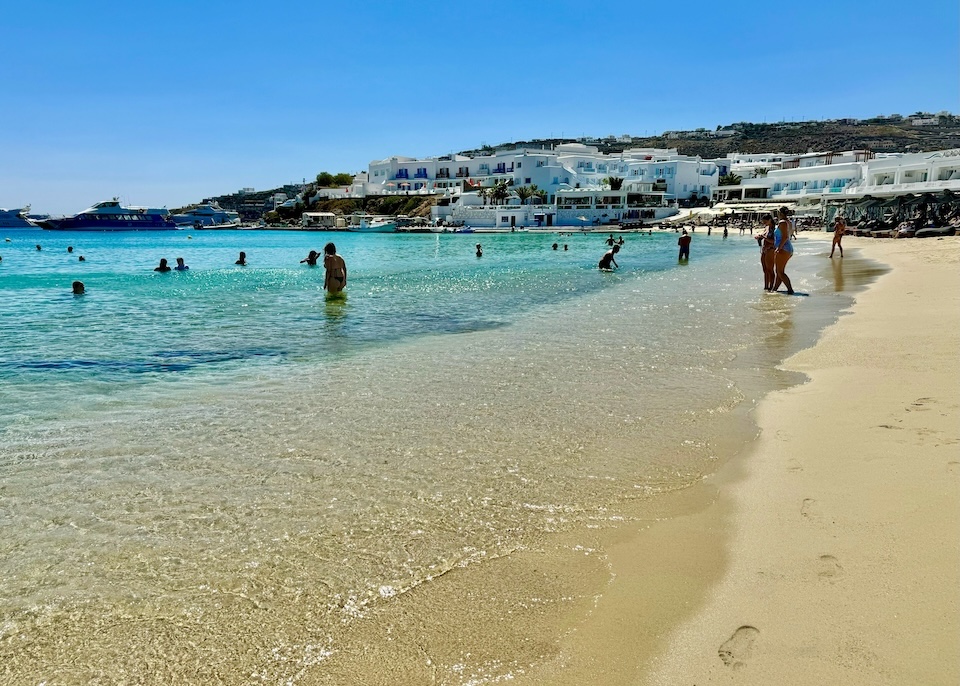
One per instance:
(844, 562)
(825, 552)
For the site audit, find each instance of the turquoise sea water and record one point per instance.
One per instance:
(171, 443)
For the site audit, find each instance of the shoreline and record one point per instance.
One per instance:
(774, 564)
(843, 559)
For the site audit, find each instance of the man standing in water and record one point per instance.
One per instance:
(607, 259)
(684, 243)
(335, 279)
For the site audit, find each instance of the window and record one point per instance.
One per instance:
(518, 164)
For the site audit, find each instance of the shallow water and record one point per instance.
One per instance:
(207, 475)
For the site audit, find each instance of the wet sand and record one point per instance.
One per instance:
(823, 552)
(844, 563)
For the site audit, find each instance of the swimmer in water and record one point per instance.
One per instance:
(243, 259)
(479, 250)
(181, 267)
(78, 288)
(335, 279)
(311, 258)
(607, 259)
(163, 266)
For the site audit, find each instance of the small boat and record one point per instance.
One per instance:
(210, 216)
(16, 219)
(110, 215)
(368, 223)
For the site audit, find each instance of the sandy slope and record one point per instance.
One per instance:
(844, 565)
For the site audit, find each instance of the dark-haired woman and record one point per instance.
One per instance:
(335, 279)
(767, 245)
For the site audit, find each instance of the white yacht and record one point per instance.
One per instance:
(210, 216)
(16, 219)
(368, 223)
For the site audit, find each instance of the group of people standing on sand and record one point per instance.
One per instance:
(776, 249)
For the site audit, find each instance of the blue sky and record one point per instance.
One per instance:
(164, 103)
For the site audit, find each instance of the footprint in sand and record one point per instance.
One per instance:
(810, 509)
(739, 647)
(953, 467)
(919, 405)
(794, 465)
(829, 568)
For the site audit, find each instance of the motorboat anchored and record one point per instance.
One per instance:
(16, 219)
(368, 223)
(110, 215)
(210, 216)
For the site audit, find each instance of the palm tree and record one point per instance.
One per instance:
(524, 193)
(538, 193)
(483, 193)
(761, 172)
(728, 180)
(616, 183)
(500, 193)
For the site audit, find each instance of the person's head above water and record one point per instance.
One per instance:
(616, 248)
(78, 288)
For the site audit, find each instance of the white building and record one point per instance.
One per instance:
(816, 178)
(570, 166)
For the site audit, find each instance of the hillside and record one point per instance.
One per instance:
(878, 135)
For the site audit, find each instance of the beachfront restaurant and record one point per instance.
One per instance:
(583, 207)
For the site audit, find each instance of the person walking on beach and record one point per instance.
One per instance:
(782, 251)
(684, 243)
(766, 243)
(839, 226)
(335, 279)
(607, 259)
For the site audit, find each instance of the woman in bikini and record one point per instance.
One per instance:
(783, 250)
(767, 246)
(336, 276)
(838, 229)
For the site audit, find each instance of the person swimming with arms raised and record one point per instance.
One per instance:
(335, 279)
(311, 259)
